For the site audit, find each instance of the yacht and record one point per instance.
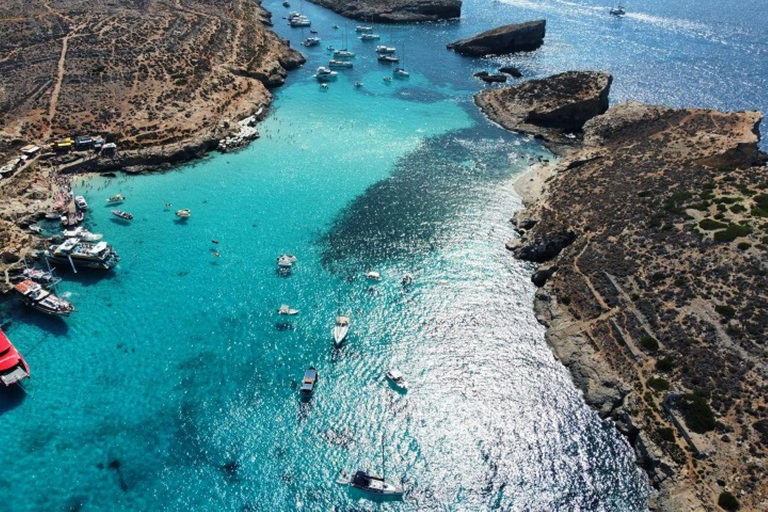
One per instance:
(340, 330)
(371, 484)
(397, 378)
(300, 21)
(184, 214)
(35, 296)
(385, 49)
(343, 54)
(339, 64)
(13, 367)
(81, 203)
(618, 11)
(83, 234)
(122, 215)
(311, 41)
(117, 198)
(309, 382)
(373, 276)
(370, 37)
(400, 73)
(325, 75)
(390, 59)
(285, 309)
(77, 253)
(363, 28)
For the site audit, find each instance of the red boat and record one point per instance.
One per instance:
(13, 367)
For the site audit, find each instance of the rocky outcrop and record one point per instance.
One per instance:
(660, 285)
(519, 37)
(394, 11)
(550, 107)
(511, 71)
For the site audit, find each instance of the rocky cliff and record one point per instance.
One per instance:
(520, 37)
(394, 11)
(652, 240)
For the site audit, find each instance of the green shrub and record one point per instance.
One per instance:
(744, 246)
(732, 232)
(728, 501)
(703, 206)
(725, 311)
(708, 186)
(665, 364)
(666, 434)
(759, 212)
(711, 225)
(761, 200)
(566, 300)
(658, 384)
(696, 412)
(649, 343)
(737, 208)
(728, 200)
(721, 207)
(644, 193)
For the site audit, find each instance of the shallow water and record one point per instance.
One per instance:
(174, 385)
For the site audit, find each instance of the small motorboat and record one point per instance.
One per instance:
(397, 378)
(363, 28)
(52, 215)
(373, 276)
(35, 296)
(309, 382)
(117, 198)
(122, 215)
(330, 48)
(400, 73)
(335, 27)
(617, 11)
(184, 214)
(407, 278)
(358, 85)
(340, 330)
(285, 309)
(81, 203)
(387, 79)
(286, 3)
(382, 48)
(388, 59)
(13, 367)
(35, 229)
(370, 37)
(313, 31)
(311, 41)
(285, 262)
(333, 63)
(371, 484)
(343, 54)
(83, 234)
(323, 87)
(324, 74)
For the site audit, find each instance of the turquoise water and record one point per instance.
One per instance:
(174, 385)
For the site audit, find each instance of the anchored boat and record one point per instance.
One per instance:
(370, 37)
(35, 296)
(309, 382)
(397, 378)
(77, 253)
(81, 203)
(340, 330)
(122, 215)
(333, 63)
(117, 198)
(371, 484)
(83, 234)
(184, 214)
(285, 309)
(13, 367)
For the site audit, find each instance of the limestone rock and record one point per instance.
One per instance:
(518, 37)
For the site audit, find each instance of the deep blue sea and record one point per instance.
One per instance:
(174, 386)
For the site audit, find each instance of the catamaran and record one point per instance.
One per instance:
(83, 234)
(340, 330)
(13, 367)
(77, 253)
(35, 296)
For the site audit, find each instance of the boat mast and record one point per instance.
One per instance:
(383, 467)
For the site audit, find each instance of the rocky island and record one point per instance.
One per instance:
(164, 82)
(394, 11)
(651, 236)
(518, 37)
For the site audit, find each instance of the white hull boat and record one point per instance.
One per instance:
(340, 330)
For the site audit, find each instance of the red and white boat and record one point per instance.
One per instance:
(13, 367)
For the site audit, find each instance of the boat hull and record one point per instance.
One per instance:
(99, 265)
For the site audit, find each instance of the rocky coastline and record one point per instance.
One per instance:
(395, 11)
(163, 97)
(650, 237)
(518, 37)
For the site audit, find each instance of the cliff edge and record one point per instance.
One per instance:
(652, 240)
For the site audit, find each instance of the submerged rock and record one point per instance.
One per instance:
(519, 37)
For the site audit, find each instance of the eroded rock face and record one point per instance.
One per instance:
(394, 11)
(549, 107)
(519, 37)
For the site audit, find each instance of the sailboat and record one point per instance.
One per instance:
(340, 330)
(371, 484)
(401, 72)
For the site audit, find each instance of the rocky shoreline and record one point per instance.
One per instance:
(650, 243)
(394, 11)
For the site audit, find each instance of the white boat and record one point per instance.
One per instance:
(325, 75)
(370, 484)
(339, 64)
(373, 276)
(363, 28)
(285, 309)
(397, 378)
(400, 73)
(340, 330)
(618, 10)
(370, 37)
(390, 59)
(35, 229)
(83, 234)
(76, 253)
(117, 198)
(311, 41)
(385, 49)
(81, 203)
(285, 262)
(387, 79)
(41, 276)
(301, 21)
(184, 214)
(343, 54)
